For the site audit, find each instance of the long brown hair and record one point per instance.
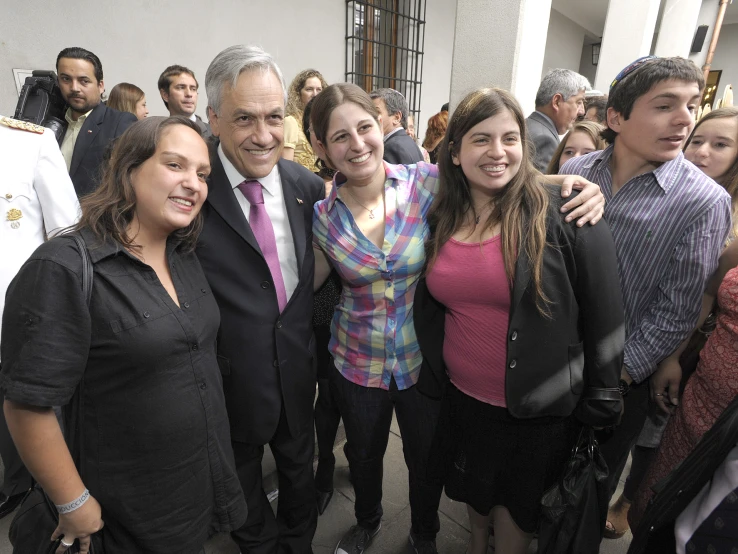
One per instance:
(294, 100)
(436, 129)
(109, 210)
(591, 129)
(521, 206)
(124, 97)
(730, 179)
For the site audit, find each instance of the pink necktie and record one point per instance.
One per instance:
(261, 225)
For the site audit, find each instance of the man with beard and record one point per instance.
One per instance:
(92, 125)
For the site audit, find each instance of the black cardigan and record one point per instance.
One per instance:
(555, 365)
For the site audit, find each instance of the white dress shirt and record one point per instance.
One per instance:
(724, 481)
(37, 198)
(274, 203)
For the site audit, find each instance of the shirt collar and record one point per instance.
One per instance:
(268, 183)
(543, 115)
(100, 249)
(665, 174)
(388, 135)
(80, 119)
(193, 118)
(392, 172)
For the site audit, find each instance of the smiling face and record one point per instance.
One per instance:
(659, 122)
(250, 124)
(78, 85)
(312, 88)
(170, 186)
(491, 153)
(577, 144)
(714, 146)
(182, 95)
(141, 109)
(354, 143)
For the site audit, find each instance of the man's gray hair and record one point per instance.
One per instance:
(230, 63)
(565, 82)
(394, 101)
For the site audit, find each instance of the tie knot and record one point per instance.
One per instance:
(252, 191)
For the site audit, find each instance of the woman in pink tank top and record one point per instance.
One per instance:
(520, 322)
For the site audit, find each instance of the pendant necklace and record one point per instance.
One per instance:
(370, 210)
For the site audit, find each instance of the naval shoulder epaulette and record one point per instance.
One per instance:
(22, 125)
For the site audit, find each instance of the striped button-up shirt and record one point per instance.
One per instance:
(372, 332)
(669, 226)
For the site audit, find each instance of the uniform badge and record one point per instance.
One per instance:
(13, 216)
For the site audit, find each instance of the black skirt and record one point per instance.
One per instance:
(486, 457)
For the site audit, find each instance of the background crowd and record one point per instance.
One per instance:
(505, 288)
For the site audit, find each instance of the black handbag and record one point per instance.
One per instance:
(37, 518)
(574, 509)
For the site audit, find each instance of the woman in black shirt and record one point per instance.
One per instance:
(156, 453)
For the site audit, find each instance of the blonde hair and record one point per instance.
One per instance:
(591, 129)
(124, 97)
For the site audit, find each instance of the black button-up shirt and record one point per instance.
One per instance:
(156, 451)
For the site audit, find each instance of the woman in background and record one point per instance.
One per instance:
(434, 134)
(583, 138)
(126, 97)
(304, 87)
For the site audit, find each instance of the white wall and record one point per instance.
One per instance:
(137, 39)
(586, 67)
(439, 46)
(564, 43)
(725, 58)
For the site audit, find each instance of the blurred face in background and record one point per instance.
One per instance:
(714, 146)
(141, 109)
(312, 88)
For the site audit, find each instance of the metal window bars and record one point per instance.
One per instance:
(385, 40)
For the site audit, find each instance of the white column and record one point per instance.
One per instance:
(677, 28)
(499, 43)
(628, 35)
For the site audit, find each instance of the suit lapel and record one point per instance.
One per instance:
(223, 200)
(87, 134)
(295, 202)
(522, 278)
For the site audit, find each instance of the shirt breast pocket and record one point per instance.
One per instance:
(15, 193)
(143, 317)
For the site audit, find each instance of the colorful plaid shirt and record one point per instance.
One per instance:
(372, 332)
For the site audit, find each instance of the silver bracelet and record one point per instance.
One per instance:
(74, 504)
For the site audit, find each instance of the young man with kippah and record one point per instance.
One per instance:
(669, 221)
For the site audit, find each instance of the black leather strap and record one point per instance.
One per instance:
(594, 393)
(74, 428)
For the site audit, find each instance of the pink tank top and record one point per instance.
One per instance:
(471, 282)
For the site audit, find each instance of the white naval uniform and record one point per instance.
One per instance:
(37, 197)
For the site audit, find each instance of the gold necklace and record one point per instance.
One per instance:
(370, 210)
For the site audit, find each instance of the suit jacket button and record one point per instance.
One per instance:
(265, 285)
(514, 335)
(275, 363)
(279, 324)
(513, 364)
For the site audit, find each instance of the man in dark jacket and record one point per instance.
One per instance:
(92, 126)
(399, 147)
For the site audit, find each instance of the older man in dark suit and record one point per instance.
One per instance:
(92, 126)
(559, 101)
(256, 250)
(399, 147)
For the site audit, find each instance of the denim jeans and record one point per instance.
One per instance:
(367, 415)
